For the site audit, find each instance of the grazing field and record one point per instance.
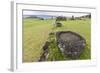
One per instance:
(36, 33)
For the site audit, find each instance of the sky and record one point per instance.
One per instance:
(47, 13)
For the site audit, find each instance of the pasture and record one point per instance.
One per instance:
(36, 33)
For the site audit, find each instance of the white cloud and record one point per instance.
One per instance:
(68, 14)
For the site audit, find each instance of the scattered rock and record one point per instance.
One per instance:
(58, 24)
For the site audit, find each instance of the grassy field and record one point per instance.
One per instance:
(36, 33)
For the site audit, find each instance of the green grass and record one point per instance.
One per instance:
(36, 33)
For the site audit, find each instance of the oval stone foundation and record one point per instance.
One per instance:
(70, 43)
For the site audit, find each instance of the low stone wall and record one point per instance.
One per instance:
(45, 53)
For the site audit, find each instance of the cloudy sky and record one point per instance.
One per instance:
(67, 14)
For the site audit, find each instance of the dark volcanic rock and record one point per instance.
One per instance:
(58, 24)
(44, 55)
(70, 43)
(45, 47)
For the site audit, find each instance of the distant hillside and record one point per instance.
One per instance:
(38, 16)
